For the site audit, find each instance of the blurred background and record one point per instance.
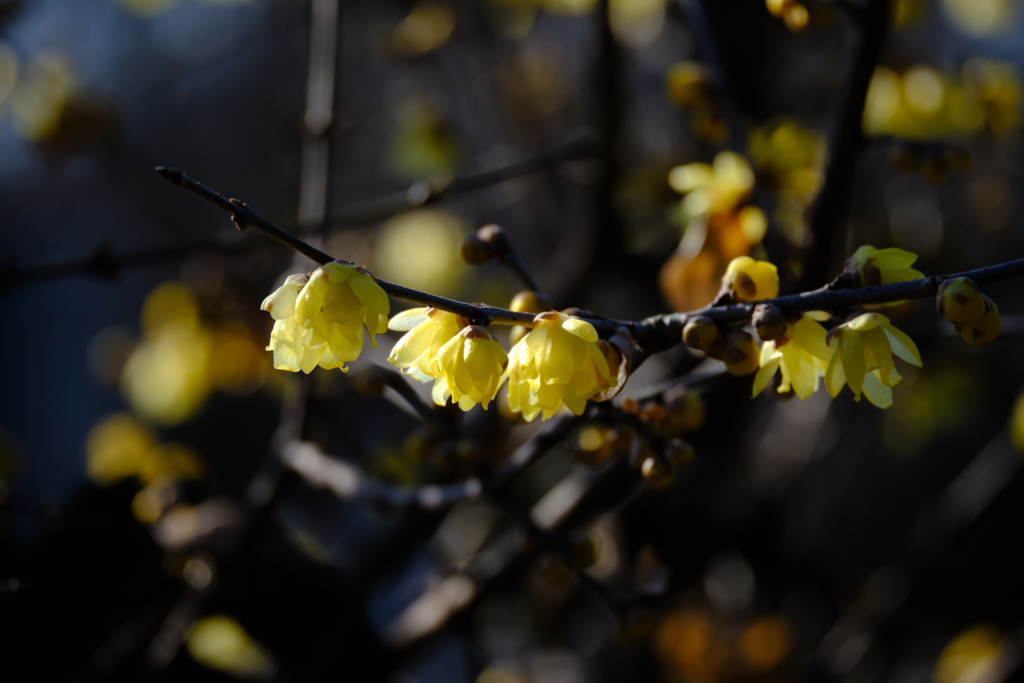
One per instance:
(630, 148)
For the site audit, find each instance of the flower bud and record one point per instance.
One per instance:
(477, 252)
(585, 547)
(686, 411)
(701, 333)
(529, 301)
(594, 444)
(740, 353)
(984, 329)
(679, 453)
(657, 472)
(494, 235)
(960, 300)
(769, 322)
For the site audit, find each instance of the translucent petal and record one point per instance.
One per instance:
(866, 321)
(852, 349)
(765, 374)
(557, 361)
(903, 346)
(879, 394)
(406, 320)
(835, 378)
(281, 304)
(580, 328)
(803, 377)
(877, 344)
(440, 392)
(893, 259)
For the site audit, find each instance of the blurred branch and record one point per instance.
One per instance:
(348, 482)
(872, 21)
(424, 192)
(711, 56)
(323, 42)
(527, 454)
(104, 263)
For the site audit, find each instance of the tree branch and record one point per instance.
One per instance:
(348, 482)
(847, 141)
(424, 192)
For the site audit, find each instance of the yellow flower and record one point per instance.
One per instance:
(713, 189)
(427, 330)
(558, 363)
(752, 280)
(323, 324)
(802, 354)
(864, 360)
(882, 266)
(473, 366)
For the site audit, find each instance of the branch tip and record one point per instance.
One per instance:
(169, 174)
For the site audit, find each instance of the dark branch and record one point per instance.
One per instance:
(104, 263)
(425, 192)
(847, 142)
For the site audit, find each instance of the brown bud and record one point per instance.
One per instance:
(679, 453)
(769, 322)
(585, 547)
(687, 411)
(529, 301)
(701, 333)
(741, 353)
(594, 444)
(477, 252)
(657, 472)
(494, 235)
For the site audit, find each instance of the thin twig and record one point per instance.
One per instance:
(707, 47)
(347, 482)
(103, 263)
(514, 262)
(424, 192)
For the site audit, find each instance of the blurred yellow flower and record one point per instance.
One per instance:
(719, 226)
(116, 448)
(166, 378)
(219, 642)
(864, 361)
(426, 331)
(323, 325)
(976, 654)
(752, 280)
(802, 354)
(472, 363)
(558, 363)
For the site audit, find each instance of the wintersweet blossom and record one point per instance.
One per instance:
(472, 366)
(320, 319)
(801, 354)
(882, 266)
(866, 345)
(558, 363)
(426, 331)
(752, 280)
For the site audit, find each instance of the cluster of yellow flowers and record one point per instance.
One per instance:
(319, 321)
(923, 103)
(562, 362)
(858, 353)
